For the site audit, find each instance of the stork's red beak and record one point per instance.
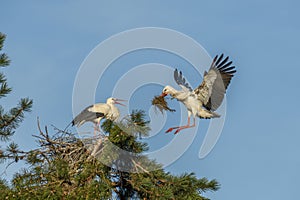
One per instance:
(117, 102)
(163, 94)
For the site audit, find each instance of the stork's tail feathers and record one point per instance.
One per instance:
(73, 123)
(207, 114)
(215, 115)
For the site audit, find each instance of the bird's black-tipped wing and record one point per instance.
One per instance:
(215, 82)
(85, 116)
(180, 80)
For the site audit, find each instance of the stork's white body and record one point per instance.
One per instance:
(97, 108)
(110, 111)
(187, 98)
(191, 102)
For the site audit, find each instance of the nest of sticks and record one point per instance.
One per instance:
(160, 103)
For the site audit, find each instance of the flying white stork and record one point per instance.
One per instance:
(95, 113)
(208, 96)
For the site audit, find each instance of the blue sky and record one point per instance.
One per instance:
(257, 155)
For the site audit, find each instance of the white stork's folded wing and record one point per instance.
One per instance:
(87, 115)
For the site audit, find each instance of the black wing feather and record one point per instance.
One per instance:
(219, 60)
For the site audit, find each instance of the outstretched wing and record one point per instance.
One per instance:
(180, 80)
(215, 82)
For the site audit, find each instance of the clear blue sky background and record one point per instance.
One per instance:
(257, 156)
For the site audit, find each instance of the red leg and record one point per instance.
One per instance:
(95, 129)
(179, 128)
(171, 129)
(184, 127)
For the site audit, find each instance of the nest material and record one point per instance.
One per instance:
(160, 103)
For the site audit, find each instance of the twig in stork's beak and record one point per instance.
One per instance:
(117, 102)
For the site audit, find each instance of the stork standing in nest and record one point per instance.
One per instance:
(95, 113)
(208, 96)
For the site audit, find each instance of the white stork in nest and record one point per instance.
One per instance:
(95, 113)
(208, 96)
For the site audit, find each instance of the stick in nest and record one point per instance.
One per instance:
(160, 103)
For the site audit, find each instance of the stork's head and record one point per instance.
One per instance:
(112, 100)
(167, 90)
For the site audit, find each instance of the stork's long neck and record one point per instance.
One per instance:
(175, 93)
(115, 114)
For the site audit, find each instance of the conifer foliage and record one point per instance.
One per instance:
(9, 119)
